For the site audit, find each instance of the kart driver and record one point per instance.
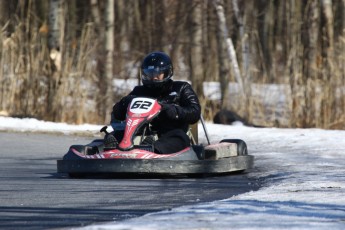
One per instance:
(180, 104)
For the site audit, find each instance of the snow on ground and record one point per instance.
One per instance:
(33, 125)
(302, 172)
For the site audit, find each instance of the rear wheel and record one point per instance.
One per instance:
(241, 146)
(75, 175)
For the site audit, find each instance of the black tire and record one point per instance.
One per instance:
(74, 175)
(241, 146)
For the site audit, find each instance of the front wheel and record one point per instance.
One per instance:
(241, 146)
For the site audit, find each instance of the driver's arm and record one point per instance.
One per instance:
(120, 108)
(188, 109)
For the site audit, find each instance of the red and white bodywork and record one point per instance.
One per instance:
(140, 111)
(130, 154)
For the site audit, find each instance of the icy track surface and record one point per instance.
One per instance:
(304, 186)
(302, 171)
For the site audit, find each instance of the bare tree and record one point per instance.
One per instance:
(4, 13)
(328, 82)
(300, 42)
(224, 69)
(109, 48)
(294, 65)
(311, 73)
(95, 12)
(196, 54)
(55, 8)
(218, 4)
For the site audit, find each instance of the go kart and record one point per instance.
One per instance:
(134, 156)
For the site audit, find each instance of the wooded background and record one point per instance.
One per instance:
(59, 58)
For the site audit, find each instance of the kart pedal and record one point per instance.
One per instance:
(149, 140)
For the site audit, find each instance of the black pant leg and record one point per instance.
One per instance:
(172, 142)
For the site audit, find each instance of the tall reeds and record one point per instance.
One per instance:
(291, 55)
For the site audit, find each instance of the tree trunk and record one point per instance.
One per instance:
(294, 66)
(177, 31)
(95, 12)
(56, 93)
(229, 46)
(243, 34)
(196, 55)
(329, 75)
(246, 25)
(224, 71)
(54, 26)
(4, 12)
(311, 73)
(109, 48)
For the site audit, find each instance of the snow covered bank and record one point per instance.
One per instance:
(34, 125)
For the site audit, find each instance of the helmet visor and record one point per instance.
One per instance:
(153, 74)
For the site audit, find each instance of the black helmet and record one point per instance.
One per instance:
(153, 65)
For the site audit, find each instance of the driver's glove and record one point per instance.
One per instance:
(170, 111)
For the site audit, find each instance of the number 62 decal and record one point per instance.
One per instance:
(141, 105)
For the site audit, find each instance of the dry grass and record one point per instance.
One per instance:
(64, 86)
(50, 85)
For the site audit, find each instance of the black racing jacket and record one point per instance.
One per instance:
(178, 92)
